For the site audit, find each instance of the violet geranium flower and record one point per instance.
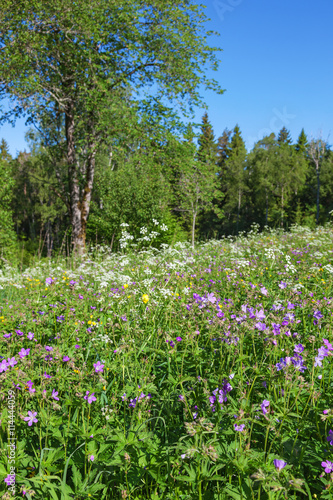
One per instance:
(90, 398)
(239, 428)
(328, 466)
(279, 464)
(98, 367)
(31, 418)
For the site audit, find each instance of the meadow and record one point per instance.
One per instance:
(171, 373)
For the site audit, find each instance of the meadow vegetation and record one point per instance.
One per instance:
(172, 372)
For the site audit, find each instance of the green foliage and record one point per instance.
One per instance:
(7, 232)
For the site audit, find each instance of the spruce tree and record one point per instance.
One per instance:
(284, 136)
(207, 145)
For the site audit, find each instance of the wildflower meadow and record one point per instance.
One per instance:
(171, 372)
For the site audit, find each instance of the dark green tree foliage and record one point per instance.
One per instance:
(207, 148)
(84, 59)
(261, 179)
(7, 233)
(235, 177)
(284, 136)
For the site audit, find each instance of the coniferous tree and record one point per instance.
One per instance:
(235, 174)
(284, 136)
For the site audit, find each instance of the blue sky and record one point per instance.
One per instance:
(276, 67)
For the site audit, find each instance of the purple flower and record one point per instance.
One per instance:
(46, 375)
(12, 362)
(3, 366)
(181, 397)
(77, 346)
(124, 317)
(31, 419)
(298, 348)
(91, 457)
(23, 353)
(260, 314)
(330, 437)
(30, 336)
(98, 367)
(48, 348)
(19, 333)
(328, 345)
(48, 281)
(328, 466)
(260, 326)
(263, 290)
(65, 358)
(80, 296)
(10, 479)
(279, 464)
(239, 428)
(90, 398)
(179, 339)
(317, 315)
(72, 282)
(29, 386)
(282, 285)
(7, 335)
(55, 394)
(264, 406)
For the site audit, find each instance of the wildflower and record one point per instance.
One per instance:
(298, 348)
(90, 398)
(3, 366)
(48, 281)
(264, 406)
(10, 479)
(260, 315)
(181, 397)
(55, 394)
(98, 367)
(328, 345)
(7, 335)
(282, 285)
(328, 466)
(65, 358)
(23, 353)
(31, 418)
(260, 326)
(77, 346)
(72, 282)
(179, 339)
(145, 298)
(12, 362)
(29, 386)
(263, 290)
(48, 348)
(239, 428)
(91, 457)
(30, 336)
(317, 315)
(46, 375)
(279, 464)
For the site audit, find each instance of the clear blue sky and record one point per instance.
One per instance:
(276, 67)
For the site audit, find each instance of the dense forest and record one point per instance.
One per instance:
(198, 186)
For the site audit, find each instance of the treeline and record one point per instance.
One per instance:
(199, 187)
